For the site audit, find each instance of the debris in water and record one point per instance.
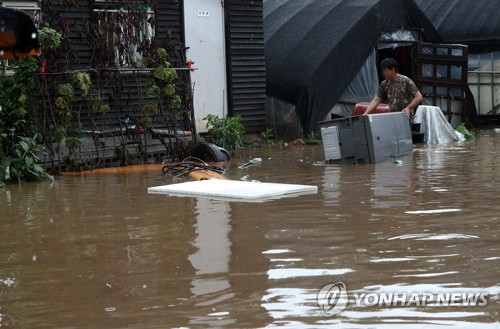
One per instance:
(298, 142)
(218, 314)
(433, 211)
(251, 162)
(8, 282)
(277, 251)
(246, 178)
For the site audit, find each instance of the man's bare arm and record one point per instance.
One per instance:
(417, 99)
(373, 105)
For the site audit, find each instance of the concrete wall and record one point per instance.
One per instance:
(205, 37)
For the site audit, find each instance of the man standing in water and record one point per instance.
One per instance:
(397, 90)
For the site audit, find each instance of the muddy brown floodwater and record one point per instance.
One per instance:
(96, 251)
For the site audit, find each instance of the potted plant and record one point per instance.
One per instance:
(312, 138)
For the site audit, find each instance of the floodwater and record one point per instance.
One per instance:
(96, 251)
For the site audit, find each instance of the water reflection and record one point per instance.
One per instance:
(332, 178)
(390, 182)
(392, 199)
(213, 247)
(97, 251)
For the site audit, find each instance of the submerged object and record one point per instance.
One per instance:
(196, 167)
(369, 138)
(234, 190)
(193, 168)
(209, 152)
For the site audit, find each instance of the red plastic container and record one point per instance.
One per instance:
(360, 108)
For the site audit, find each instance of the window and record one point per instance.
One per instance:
(126, 28)
(484, 81)
(31, 7)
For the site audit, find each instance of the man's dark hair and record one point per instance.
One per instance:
(389, 63)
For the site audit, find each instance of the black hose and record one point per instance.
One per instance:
(185, 167)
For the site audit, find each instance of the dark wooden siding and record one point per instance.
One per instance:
(246, 62)
(170, 19)
(123, 89)
(170, 28)
(69, 17)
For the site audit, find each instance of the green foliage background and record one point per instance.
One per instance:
(19, 141)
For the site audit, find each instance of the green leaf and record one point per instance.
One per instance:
(24, 146)
(7, 173)
(169, 89)
(464, 131)
(29, 161)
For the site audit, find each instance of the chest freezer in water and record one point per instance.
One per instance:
(367, 139)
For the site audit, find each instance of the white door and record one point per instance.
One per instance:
(205, 38)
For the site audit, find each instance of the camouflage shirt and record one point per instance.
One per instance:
(397, 94)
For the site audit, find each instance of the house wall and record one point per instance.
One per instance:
(227, 47)
(107, 136)
(226, 41)
(120, 87)
(235, 86)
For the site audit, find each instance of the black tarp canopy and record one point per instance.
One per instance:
(475, 23)
(314, 48)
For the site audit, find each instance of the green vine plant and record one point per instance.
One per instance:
(83, 81)
(66, 129)
(161, 96)
(66, 133)
(162, 82)
(19, 142)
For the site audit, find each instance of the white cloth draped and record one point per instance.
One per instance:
(434, 125)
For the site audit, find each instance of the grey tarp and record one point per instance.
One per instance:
(314, 48)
